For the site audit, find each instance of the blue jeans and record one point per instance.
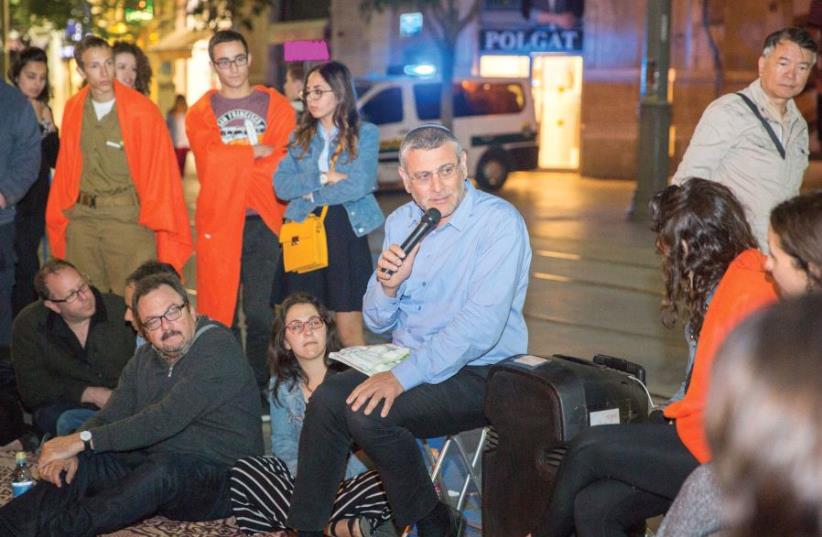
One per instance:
(7, 261)
(111, 491)
(71, 420)
(46, 416)
(261, 253)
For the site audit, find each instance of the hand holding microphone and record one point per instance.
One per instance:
(394, 265)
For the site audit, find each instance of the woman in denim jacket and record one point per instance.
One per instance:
(261, 487)
(332, 160)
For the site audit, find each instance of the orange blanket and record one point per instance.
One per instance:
(232, 180)
(153, 167)
(743, 289)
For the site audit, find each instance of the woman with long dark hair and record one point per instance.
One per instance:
(613, 477)
(332, 161)
(30, 73)
(795, 265)
(131, 66)
(302, 337)
(795, 244)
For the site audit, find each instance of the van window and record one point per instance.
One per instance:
(471, 98)
(384, 107)
(361, 87)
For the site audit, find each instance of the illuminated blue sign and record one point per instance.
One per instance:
(527, 40)
(410, 24)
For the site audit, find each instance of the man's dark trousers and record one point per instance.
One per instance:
(114, 490)
(426, 411)
(46, 416)
(261, 253)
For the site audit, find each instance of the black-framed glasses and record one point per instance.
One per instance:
(314, 94)
(296, 326)
(73, 295)
(174, 312)
(241, 60)
(444, 172)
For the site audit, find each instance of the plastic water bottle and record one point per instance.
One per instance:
(21, 480)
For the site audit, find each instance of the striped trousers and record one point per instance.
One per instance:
(261, 489)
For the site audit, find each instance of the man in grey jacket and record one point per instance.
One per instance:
(186, 407)
(755, 142)
(19, 165)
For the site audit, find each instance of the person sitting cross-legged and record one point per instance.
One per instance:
(303, 335)
(68, 348)
(71, 420)
(185, 409)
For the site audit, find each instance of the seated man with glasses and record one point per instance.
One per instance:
(68, 348)
(185, 409)
(456, 301)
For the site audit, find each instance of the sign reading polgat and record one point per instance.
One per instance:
(528, 40)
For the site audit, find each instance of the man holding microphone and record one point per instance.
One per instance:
(456, 301)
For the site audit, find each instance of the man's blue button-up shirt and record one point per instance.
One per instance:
(462, 304)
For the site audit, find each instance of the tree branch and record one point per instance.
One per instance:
(433, 12)
(473, 13)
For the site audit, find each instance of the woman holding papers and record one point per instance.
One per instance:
(303, 335)
(332, 162)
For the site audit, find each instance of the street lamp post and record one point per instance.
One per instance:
(654, 109)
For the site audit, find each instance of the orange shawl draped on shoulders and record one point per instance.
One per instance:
(153, 167)
(744, 288)
(231, 181)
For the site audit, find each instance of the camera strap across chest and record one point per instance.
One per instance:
(774, 138)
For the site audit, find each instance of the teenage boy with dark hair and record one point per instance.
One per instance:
(238, 135)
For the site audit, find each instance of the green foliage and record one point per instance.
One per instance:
(28, 13)
(240, 12)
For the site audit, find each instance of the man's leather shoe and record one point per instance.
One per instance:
(457, 523)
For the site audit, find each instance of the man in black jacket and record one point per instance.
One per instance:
(186, 408)
(69, 348)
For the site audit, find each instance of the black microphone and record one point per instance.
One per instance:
(428, 222)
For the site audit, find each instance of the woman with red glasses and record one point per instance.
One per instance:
(303, 335)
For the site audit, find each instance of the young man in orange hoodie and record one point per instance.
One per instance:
(116, 199)
(238, 136)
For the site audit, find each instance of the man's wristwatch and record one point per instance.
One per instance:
(323, 178)
(85, 436)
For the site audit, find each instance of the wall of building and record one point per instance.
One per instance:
(614, 36)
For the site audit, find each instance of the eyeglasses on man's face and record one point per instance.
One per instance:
(241, 60)
(314, 94)
(296, 326)
(174, 312)
(73, 295)
(444, 172)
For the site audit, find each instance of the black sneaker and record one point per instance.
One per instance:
(457, 523)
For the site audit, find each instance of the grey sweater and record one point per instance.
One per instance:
(206, 404)
(19, 148)
(696, 509)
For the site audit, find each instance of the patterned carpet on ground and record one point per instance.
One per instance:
(154, 527)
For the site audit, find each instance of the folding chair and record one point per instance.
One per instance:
(469, 460)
